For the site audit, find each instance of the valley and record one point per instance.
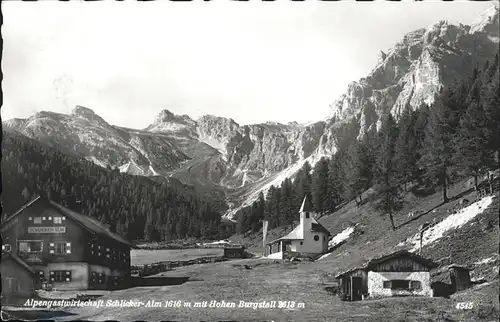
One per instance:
(313, 283)
(407, 162)
(244, 160)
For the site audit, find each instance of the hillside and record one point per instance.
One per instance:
(244, 160)
(475, 242)
(137, 207)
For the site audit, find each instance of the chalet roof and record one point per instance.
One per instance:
(89, 223)
(317, 227)
(402, 253)
(22, 263)
(296, 233)
(306, 205)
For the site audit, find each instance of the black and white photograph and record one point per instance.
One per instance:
(251, 160)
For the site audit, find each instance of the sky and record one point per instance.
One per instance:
(251, 61)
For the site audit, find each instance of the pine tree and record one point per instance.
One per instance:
(335, 182)
(472, 153)
(385, 174)
(405, 151)
(491, 107)
(437, 158)
(319, 187)
(358, 169)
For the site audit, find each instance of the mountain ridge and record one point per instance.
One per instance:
(244, 160)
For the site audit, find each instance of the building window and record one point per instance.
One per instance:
(6, 248)
(415, 285)
(37, 220)
(60, 276)
(316, 237)
(57, 220)
(387, 284)
(307, 215)
(400, 285)
(32, 246)
(60, 248)
(41, 275)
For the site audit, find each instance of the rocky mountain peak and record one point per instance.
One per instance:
(165, 116)
(82, 111)
(218, 120)
(412, 72)
(487, 22)
(88, 114)
(166, 121)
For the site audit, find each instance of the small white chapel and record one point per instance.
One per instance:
(309, 238)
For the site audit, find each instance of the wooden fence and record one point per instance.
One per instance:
(164, 266)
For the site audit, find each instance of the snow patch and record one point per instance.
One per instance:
(324, 256)
(340, 237)
(278, 255)
(96, 161)
(453, 221)
(485, 261)
(131, 168)
(153, 171)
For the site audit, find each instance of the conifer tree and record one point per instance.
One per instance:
(437, 158)
(386, 177)
(335, 182)
(319, 187)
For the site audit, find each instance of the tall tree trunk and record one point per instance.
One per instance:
(392, 221)
(476, 184)
(445, 186)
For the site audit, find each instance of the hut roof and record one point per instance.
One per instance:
(403, 253)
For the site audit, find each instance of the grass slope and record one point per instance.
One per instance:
(476, 241)
(310, 282)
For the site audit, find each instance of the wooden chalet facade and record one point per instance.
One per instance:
(398, 274)
(69, 250)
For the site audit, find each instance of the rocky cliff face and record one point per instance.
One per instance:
(243, 160)
(414, 70)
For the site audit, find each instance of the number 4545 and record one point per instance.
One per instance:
(465, 305)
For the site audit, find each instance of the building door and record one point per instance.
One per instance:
(356, 285)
